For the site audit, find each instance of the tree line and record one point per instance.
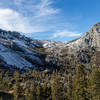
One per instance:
(34, 85)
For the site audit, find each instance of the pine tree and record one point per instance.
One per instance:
(95, 85)
(1, 79)
(69, 87)
(44, 92)
(38, 92)
(56, 89)
(46, 89)
(30, 93)
(17, 89)
(80, 84)
(27, 95)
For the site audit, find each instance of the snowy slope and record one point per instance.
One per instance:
(49, 43)
(18, 50)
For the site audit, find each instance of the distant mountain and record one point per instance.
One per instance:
(78, 51)
(19, 51)
(49, 43)
(91, 38)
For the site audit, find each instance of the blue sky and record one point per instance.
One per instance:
(61, 20)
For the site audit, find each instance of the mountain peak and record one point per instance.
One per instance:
(96, 28)
(90, 39)
(97, 24)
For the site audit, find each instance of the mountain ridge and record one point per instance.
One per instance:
(22, 52)
(78, 51)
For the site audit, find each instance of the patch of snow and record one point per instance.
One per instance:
(50, 43)
(14, 59)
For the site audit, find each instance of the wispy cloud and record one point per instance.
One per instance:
(27, 16)
(34, 16)
(38, 8)
(66, 33)
(45, 8)
(12, 20)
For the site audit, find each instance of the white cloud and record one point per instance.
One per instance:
(45, 8)
(12, 20)
(66, 33)
(28, 16)
(31, 16)
(38, 8)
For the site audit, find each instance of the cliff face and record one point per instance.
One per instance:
(91, 38)
(77, 51)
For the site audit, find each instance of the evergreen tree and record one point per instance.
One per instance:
(54, 90)
(1, 80)
(27, 95)
(95, 85)
(69, 87)
(38, 92)
(46, 90)
(57, 89)
(31, 93)
(17, 88)
(80, 84)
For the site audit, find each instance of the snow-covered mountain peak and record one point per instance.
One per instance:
(49, 43)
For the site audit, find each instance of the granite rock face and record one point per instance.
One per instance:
(89, 39)
(80, 50)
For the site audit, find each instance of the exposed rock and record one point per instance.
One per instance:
(77, 51)
(19, 51)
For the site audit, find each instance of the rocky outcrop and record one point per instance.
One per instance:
(91, 38)
(80, 50)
